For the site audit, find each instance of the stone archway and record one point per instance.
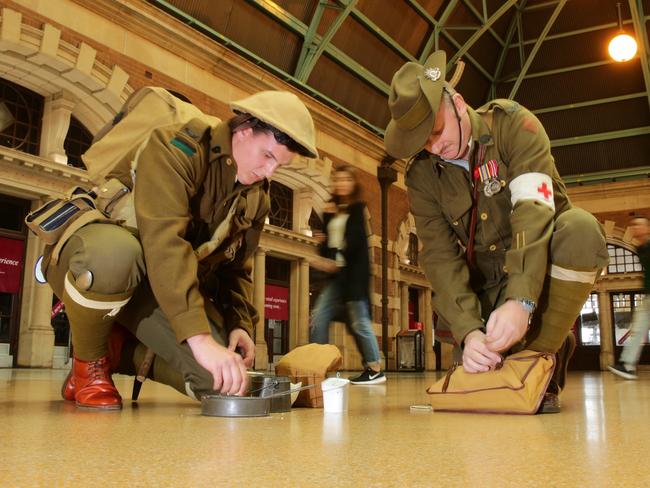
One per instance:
(40, 60)
(309, 179)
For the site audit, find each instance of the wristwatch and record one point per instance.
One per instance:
(529, 305)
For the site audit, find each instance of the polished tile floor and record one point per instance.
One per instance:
(602, 438)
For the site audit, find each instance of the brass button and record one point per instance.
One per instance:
(483, 216)
(493, 247)
(455, 222)
(228, 161)
(505, 269)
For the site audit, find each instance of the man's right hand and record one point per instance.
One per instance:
(323, 264)
(227, 367)
(477, 358)
(318, 235)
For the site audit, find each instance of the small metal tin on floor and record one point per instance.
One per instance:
(235, 406)
(270, 386)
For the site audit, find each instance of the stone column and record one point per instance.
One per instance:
(56, 122)
(294, 304)
(36, 336)
(606, 330)
(427, 321)
(303, 302)
(404, 305)
(303, 202)
(259, 294)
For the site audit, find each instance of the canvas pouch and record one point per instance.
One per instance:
(517, 387)
(51, 221)
(310, 364)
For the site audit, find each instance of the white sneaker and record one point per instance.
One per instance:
(621, 370)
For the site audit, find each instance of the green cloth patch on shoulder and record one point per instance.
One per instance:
(182, 146)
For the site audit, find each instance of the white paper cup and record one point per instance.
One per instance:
(335, 395)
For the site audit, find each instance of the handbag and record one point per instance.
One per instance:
(516, 387)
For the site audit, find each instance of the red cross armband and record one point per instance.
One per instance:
(532, 186)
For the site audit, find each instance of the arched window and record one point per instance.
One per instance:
(23, 116)
(77, 142)
(622, 260)
(281, 214)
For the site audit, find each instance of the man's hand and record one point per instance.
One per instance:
(238, 338)
(323, 264)
(227, 367)
(477, 358)
(319, 235)
(506, 326)
(329, 207)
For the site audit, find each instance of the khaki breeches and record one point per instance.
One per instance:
(115, 259)
(578, 252)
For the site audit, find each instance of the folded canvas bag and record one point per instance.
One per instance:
(309, 364)
(517, 387)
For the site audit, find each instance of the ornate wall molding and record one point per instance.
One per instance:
(40, 60)
(27, 176)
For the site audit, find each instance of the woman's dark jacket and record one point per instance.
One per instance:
(354, 278)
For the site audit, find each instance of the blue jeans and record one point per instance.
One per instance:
(329, 305)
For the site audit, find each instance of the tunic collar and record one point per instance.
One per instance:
(480, 131)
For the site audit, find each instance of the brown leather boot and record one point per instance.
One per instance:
(115, 343)
(551, 402)
(93, 384)
(68, 389)
(563, 356)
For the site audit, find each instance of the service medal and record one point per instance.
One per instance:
(491, 187)
(489, 175)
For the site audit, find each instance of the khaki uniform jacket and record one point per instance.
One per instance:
(185, 186)
(511, 243)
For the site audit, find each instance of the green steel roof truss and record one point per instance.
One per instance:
(538, 44)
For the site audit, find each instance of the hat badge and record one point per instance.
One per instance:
(432, 74)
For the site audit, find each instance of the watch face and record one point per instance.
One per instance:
(529, 305)
(526, 304)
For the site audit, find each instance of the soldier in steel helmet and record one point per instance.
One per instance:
(175, 295)
(511, 262)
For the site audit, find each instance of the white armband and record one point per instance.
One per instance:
(532, 186)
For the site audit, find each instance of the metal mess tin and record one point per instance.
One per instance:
(268, 386)
(248, 406)
(235, 406)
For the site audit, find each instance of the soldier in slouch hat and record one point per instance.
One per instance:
(510, 260)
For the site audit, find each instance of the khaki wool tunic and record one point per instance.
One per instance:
(511, 242)
(185, 186)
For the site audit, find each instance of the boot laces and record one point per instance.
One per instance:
(99, 370)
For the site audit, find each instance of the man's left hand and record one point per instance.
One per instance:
(238, 338)
(506, 326)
